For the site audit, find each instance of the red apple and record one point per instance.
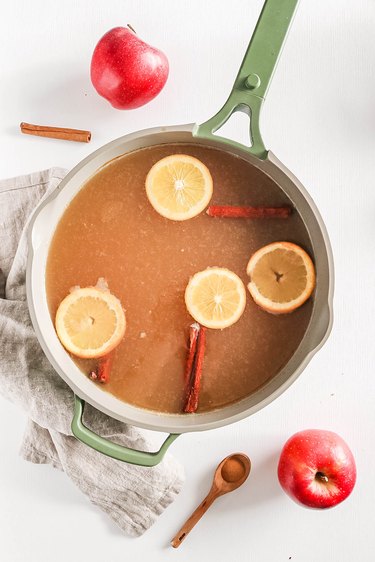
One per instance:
(317, 468)
(127, 71)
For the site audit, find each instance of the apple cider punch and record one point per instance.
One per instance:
(178, 262)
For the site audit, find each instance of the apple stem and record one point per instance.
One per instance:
(131, 28)
(321, 476)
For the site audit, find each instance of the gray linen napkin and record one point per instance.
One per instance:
(132, 496)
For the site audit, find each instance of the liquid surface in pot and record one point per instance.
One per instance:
(110, 230)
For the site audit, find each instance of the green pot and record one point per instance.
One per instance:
(247, 95)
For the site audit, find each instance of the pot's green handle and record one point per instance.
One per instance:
(254, 76)
(118, 452)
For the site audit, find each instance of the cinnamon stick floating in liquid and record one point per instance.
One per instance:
(192, 398)
(63, 133)
(193, 338)
(229, 211)
(103, 371)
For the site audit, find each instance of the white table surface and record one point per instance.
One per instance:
(319, 119)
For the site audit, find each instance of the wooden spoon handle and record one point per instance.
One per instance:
(193, 519)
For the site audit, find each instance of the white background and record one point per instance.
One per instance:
(319, 119)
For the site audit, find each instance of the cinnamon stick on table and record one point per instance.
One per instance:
(63, 133)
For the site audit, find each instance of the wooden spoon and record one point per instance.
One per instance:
(229, 475)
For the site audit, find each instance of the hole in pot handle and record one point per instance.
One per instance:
(114, 450)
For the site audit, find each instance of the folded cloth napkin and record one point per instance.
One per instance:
(132, 496)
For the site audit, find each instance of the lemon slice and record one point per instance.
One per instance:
(282, 277)
(215, 297)
(179, 187)
(90, 322)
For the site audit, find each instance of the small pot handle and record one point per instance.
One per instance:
(118, 452)
(254, 76)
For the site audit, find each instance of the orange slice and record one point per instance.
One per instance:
(179, 187)
(90, 322)
(215, 297)
(282, 277)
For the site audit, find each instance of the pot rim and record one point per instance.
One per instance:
(316, 333)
